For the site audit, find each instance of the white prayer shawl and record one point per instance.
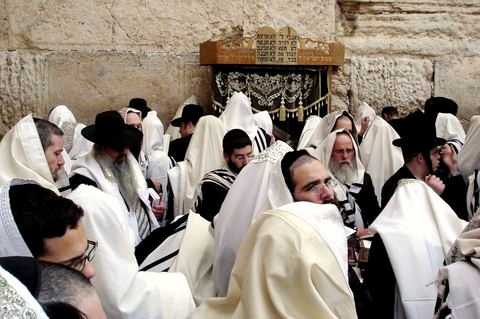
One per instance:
(449, 128)
(192, 250)
(324, 154)
(326, 126)
(89, 167)
(126, 292)
(364, 110)
(75, 144)
(264, 120)
(463, 276)
(310, 125)
(238, 114)
(418, 228)
(469, 156)
(292, 263)
(174, 131)
(59, 114)
(11, 241)
(204, 154)
(260, 186)
(153, 131)
(22, 156)
(380, 157)
(16, 301)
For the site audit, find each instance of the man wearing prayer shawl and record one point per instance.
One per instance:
(125, 290)
(339, 153)
(469, 165)
(25, 156)
(415, 231)
(238, 114)
(292, 263)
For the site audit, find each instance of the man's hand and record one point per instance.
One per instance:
(365, 123)
(449, 157)
(159, 210)
(435, 183)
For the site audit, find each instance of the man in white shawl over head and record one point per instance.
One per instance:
(291, 264)
(469, 165)
(238, 114)
(415, 232)
(75, 144)
(204, 154)
(261, 183)
(333, 121)
(379, 157)
(309, 127)
(24, 155)
(340, 154)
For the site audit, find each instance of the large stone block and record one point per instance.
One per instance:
(458, 79)
(21, 87)
(93, 82)
(403, 82)
(161, 26)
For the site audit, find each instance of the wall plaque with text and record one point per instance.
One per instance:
(269, 47)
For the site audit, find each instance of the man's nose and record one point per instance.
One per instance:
(88, 271)
(61, 160)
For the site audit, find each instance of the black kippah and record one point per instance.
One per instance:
(288, 159)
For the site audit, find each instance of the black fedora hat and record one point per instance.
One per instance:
(419, 134)
(110, 130)
(190, 113)
(139, 104)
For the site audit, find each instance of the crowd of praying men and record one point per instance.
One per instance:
(364, 216)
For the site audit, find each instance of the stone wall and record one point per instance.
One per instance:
(94, 56)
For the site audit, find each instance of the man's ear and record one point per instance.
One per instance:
(225, 156)
(420, 158)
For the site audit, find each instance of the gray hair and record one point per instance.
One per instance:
(45, 131)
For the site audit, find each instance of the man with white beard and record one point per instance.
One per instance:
(340, 152)
(112, 168)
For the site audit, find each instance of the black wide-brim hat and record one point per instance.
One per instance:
(419, 135)
(190, 113)
(110, 130)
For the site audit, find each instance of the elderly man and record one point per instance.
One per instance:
(48, 227)
(212, 189)
(340, 152)
(113, 169)
(133, 118)
(32, 149)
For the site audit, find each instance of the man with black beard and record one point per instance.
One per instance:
(340, 152)
(112, 168)
(212, 189)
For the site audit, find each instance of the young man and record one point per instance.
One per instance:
(48, 227)
(212, 189)
(32, 150)
(191, 113)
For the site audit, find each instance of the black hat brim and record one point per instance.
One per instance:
(128, 136)
(176, 122)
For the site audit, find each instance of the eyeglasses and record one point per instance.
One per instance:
(318, 188)
(89, 255)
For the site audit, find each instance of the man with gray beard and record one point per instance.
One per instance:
(340, 152)
(112, 168)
